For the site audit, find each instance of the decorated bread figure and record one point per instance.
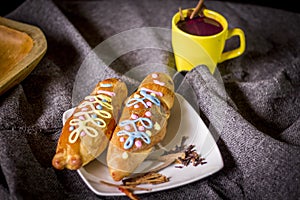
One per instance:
(86, 134)
(142, 125)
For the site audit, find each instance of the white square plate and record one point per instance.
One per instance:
(185, 127)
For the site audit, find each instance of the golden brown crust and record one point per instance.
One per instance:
(142, 124)
(159, 114)
(63, 157)
(87, 132)
(159, 78)
(162, 83)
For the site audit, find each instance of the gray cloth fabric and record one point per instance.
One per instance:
(251, 104)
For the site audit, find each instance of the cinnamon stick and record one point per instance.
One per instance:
(132, 187)
(181, 15)
(129, 193)
(196, 10)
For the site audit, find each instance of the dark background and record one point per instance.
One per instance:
(289, 5)
(8, 6)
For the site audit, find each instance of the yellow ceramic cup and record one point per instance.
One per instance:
(191, 50)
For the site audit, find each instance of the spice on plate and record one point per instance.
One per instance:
(190, 157)
(185, 158)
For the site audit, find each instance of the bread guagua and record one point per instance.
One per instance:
(86, 134)
(142, 125)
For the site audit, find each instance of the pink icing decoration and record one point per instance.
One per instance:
(81, 117)
(138, 144)
(106, 92)
(158, 82)
(154, 75)
(148, 114)
(84, 109)
(127, 127)
(82, 133)
(92, 99)
(134, 116)
(122, 139)
(149, 104)
(136, 106)
(141, 128)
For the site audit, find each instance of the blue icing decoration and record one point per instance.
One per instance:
(151, 98)
(99, 107)
(94, 116)
(147, 123)
(105, 85)
(132, 136)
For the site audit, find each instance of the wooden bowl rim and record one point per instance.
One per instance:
(28, 63)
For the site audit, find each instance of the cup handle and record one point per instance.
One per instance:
(238, 51)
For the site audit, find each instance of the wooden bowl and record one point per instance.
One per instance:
(22, 46)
